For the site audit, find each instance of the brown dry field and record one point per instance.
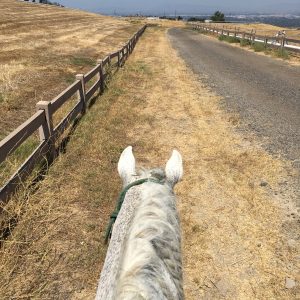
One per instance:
(237, 241)
(160, 22)
(42, 47)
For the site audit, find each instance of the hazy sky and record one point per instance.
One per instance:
(188, 6)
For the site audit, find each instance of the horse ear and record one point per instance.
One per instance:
(126, 164)
(174, 168)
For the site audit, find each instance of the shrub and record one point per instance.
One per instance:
(195, 19)
(218, 17)
(258, 47)
(229, 39)
(232, 39)
(245, 42)
(222, 37)
(282, 53)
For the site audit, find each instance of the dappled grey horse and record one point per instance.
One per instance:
(143, 260)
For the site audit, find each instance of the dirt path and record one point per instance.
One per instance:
(265, 92)
(237, 241)
(233, 243)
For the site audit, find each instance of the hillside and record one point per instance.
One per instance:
(42, 47)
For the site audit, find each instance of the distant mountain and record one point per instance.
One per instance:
(284, 20)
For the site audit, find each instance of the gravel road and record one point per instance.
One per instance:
(264, 92)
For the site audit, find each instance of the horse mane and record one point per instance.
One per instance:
(144, 256)
(151, 264)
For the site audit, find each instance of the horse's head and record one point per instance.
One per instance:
(144, 256)
(172, 174)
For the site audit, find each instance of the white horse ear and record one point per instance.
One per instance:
(126, 164)
(174, 168)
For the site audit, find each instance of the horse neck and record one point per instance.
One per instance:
(110, 270)
(151, 265)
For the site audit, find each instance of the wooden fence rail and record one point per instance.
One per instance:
(271, 41)
(42, 120)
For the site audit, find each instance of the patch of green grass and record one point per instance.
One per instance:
(82, 61)
(222, 37)
(69, 78)
(245, 42)
(26, 148)
(141, 67)
(116, 91)
(9, 166)
(258, 47)
(229, 39)
(135, 21)
(281, 53)
(233, 39)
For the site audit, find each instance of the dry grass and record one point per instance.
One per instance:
(56, 250)
(42, 47)
(165, 23)
(233, 244)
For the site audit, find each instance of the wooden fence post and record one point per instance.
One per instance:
(46, 106)
(47, 133)
(282, 43)
(82, 92)
(135, 39)
(101, 75)
(119, 59)
(123, 55)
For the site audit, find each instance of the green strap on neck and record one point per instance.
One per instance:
(121, 198)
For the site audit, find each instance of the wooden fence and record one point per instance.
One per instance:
(272, 41)
(42, 120)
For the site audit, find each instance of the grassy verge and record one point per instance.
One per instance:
(256, 46)
(58, 238)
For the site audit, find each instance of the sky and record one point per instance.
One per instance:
(187, 6)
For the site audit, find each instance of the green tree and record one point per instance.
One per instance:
(218, 17)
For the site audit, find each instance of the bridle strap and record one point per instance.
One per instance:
(120, 201)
